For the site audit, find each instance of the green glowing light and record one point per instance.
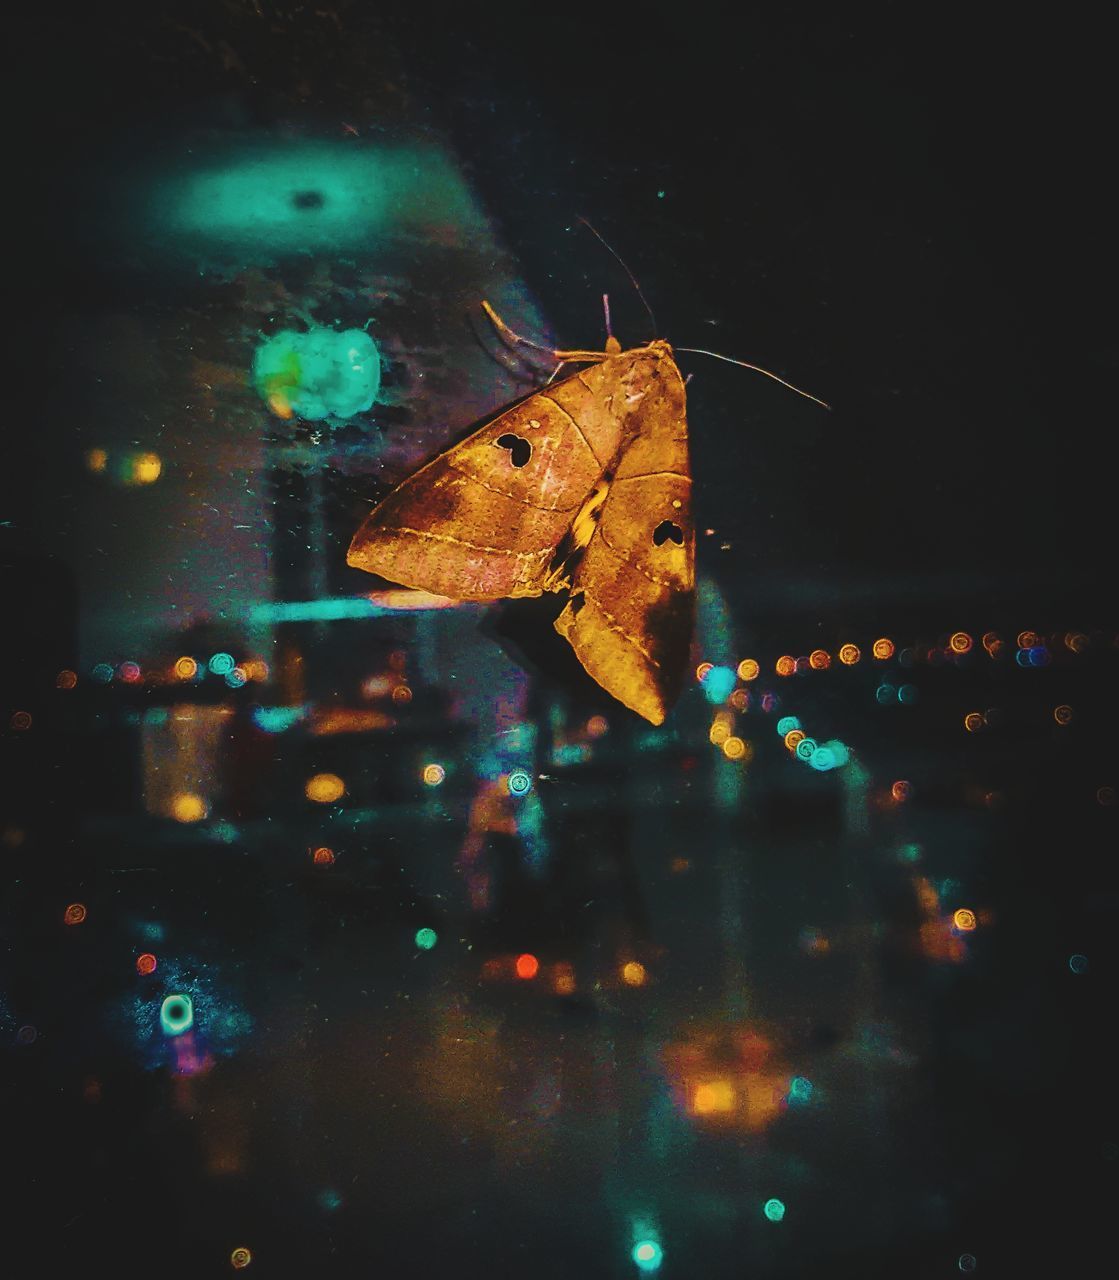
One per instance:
(328, 609)
(269, 199)
(718, 684)
(648, 1255)
(774, 1210)
(221, 663)
(426, 939)
(322, 373)
(520, 782)
(787, 724)
(176, 1015)
(800, 1089)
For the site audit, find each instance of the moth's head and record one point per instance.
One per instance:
(659, 348)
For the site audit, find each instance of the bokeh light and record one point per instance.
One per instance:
(323, 856)
(964, 920)
(563, 979)
(176, 1014)
(714, 1097)
(718, 684)
(188, 807)
(735, 749)
(597, 726)
(774, 1210)
(794, 738)
(145, 964)
(1028, 639)
(886, 694)
(240, 1258)
(882, 648)
(146, 468)
(973, 721)
(786, 665)
(66, 679)
(720, 730)
(325, 788)
(800, 1089)
(96, 460)
(75, 913)
(748, 669)
(702, 670)
(1078, 964)
(102, 673)
(805, 748)
(1063, 714)
(20, 721)
(908, 694)
(849, 654)
(634, 974)
(433, 774)
(402, 695)
(960, 642)
(221, 664)
(647, 1254)
(426, 938)
(901, 791)
(527, 966)
(520, 782)
(819, 659)
(186, 668)
(129, 672)
(786, 724)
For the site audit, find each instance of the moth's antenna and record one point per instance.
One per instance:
(757, 369)
(606, 313)
(632, 278)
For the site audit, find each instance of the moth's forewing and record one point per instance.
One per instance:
(473, 524)
(632, 606)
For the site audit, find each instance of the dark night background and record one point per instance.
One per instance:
(908, 212)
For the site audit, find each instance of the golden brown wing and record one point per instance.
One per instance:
(482, 521)
(632, 604)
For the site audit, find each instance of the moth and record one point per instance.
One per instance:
(584, 487)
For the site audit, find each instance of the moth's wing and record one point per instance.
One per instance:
(632, 605)
(472, 524)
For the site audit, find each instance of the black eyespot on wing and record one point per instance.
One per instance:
(666, 530)
(519, 449)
